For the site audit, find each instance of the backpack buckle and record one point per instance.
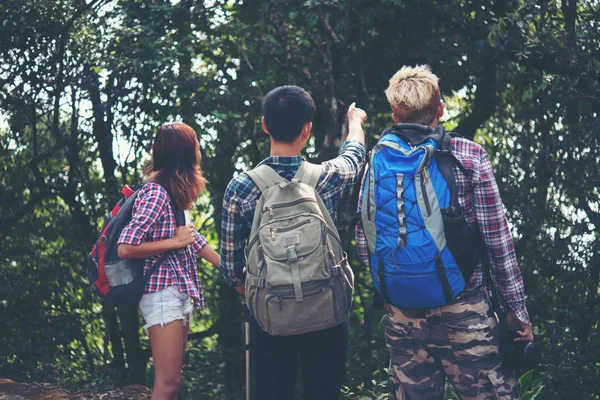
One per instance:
(292, 255)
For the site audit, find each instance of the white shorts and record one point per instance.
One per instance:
(166, 306)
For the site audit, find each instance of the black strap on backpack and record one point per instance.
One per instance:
(445, 160)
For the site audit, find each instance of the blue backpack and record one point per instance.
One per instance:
(422, 250)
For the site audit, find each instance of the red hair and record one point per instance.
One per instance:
(175, 163)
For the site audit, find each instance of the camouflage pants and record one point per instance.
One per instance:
(458, 341)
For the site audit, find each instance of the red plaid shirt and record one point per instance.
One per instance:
(480, 199)
(153, 219)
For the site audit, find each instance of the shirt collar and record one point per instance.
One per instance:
(283, 161)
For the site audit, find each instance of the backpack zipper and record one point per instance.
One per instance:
(289, 228)
(289, 204)
(371, 185)
(307, 293)
(369, 205)
(424, 180)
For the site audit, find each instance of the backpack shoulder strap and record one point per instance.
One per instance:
(264, 177)
(179, 214)
(446, 160)
(309, 173)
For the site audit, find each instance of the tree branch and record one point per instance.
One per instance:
(485, 101)
(197, 336)
(6, 224)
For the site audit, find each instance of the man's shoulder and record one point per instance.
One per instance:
(464, 145)
(465, 148)
(239, 180)
(469, 153)
(239, 186)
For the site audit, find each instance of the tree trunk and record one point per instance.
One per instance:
(109, 314)
(104, 138)
(130, 326)
(592, 302)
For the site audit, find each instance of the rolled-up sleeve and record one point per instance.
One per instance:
(199, 243)
(341, 174)
(344, 170)
(149, 206)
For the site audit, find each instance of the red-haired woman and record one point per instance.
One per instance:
(174, 289)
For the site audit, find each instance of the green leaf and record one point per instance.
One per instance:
(527, 95)
(525, 379)
(532, 394)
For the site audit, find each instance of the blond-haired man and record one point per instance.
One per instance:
(457, 340)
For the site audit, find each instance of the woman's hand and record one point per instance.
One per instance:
(184, 235)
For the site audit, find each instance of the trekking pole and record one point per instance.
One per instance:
(247, 347)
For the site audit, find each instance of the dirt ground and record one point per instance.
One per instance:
(11, 390)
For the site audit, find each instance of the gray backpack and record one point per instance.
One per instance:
(298, 279)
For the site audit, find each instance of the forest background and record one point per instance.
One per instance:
(85, 84)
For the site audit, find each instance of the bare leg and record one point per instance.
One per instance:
(168, 349)
(186, 331)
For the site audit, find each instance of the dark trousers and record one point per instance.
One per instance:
(274, 362)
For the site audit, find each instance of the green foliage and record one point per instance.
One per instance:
(530, 389)
(85, 85)
(377, 389)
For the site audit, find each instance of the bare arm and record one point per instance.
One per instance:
(184, 235)
(210, 255)
(356, 117)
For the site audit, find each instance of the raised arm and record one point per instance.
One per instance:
(356, 117)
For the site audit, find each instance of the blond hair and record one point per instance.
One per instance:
(414, 95)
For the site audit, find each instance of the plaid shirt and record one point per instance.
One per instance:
(153, 220)
(241, 196)
(480, 199)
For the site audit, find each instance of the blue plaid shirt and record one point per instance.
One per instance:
(241, 195)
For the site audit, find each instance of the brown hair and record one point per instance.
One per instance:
(414, 95)
(175, 163)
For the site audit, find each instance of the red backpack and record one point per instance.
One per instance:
(126, 276)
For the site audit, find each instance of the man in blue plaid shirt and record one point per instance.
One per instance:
(287, 119)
